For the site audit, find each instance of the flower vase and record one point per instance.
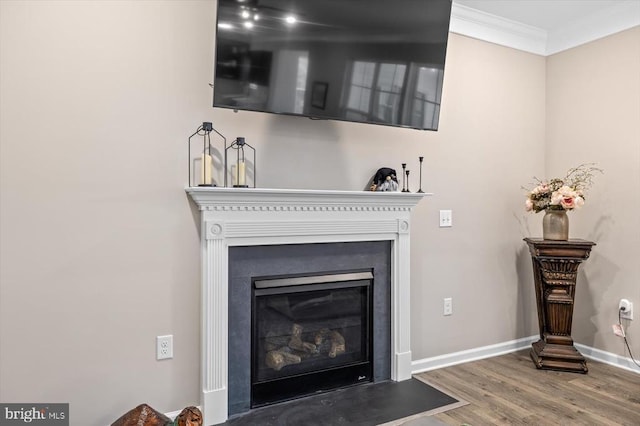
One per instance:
(555, 225)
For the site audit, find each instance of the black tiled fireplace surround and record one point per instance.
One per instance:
(247, 262)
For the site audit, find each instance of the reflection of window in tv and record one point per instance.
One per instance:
(301, 82)
(377, 90)
(389, 92)
(362, 74)
(425, 108)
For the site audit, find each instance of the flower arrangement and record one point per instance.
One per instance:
(562, 194)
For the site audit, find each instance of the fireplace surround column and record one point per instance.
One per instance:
(247, 217)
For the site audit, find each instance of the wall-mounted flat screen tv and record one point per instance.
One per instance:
(369, 61)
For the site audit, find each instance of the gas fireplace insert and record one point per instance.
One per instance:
(310, 334)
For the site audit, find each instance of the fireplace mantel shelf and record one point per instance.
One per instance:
(214, 198)
(259, 216)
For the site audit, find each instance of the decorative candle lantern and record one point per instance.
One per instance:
(238, 170)
(205, 177)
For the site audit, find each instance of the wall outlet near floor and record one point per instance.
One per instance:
(446, 219)
(626, 309)
(448, 306)
(164, 347)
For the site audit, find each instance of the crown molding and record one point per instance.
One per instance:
(495, 29)
(505, 32)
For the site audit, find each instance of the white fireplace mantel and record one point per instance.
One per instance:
(249, 216)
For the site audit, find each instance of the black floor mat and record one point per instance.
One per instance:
(364, 405)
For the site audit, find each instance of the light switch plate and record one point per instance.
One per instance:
(446, 219)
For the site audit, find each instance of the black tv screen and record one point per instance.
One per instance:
(370, 61)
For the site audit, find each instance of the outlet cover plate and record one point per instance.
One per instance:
(628, 312)
(448, 306)
(164, 347)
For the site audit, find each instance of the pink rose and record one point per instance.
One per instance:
(556, 198)
(568, 203)
(528, 205)
(540, 189)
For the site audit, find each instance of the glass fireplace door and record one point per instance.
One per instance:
(310, 334)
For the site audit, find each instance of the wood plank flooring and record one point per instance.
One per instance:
(509, 390)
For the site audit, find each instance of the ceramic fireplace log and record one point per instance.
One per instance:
(280, 358)
(337, 344)
(272, 342)
(336, 339)
(296, 342)
(288, 350)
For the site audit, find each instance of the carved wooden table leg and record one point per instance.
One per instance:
(555, 271)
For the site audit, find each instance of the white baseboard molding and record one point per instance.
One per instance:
(607, 358)
(447, 360)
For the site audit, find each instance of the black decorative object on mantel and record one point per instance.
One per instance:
(404, 187)
(239, 173)
(384, 180)
(407, 172)
(206, 158)
(420, 191)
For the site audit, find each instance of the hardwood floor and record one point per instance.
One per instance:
(509, 390)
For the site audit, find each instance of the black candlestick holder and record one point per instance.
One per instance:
(407, 172)
(420, 191)
(404, 187)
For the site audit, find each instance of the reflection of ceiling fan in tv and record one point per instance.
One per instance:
(261, 6)
(257, 9)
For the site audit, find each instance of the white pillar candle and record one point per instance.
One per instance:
(240, 175)
(206, 168)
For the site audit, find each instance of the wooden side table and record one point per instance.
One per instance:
(555, 269)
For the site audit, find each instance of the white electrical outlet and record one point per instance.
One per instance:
(627, 305)
(448, 306)
(164, 347)
(446, 219)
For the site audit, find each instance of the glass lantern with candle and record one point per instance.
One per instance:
(205, 157)
(237, 164)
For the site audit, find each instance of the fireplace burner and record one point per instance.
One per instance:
(310, 334)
